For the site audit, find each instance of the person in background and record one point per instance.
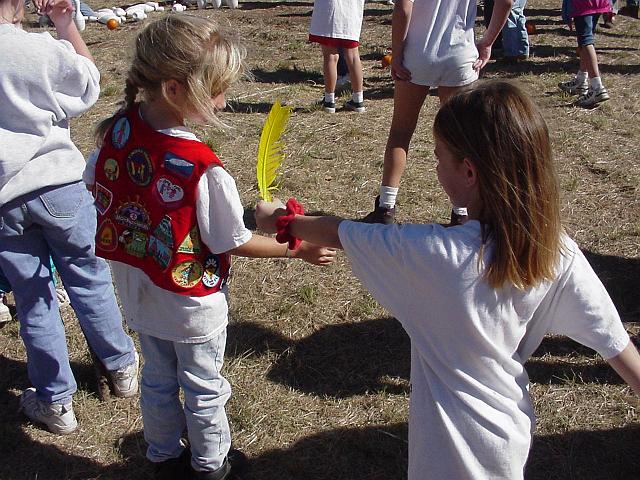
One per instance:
(46, 212)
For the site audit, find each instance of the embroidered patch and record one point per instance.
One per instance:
(104, 197)
(164, 231)
(111, 169)
(159, 252)
(178, 165)
(211, 275)
(121, 132)
(107, 236)
(169, 192)
(191, 243)
(133, 215)
(187, 274)
(135, 243)
(139, 167)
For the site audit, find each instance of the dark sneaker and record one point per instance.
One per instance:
(592, 98)
(328, 107)
(456, 219)
(354, 106)
(233, 466)
(175, 468)
(380, 214)
(59, 419)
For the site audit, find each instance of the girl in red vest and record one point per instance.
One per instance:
(169, 217)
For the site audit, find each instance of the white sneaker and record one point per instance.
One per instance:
(59, 419)
(5, 313)
(574, 86)
(593, 97)
(125, 380)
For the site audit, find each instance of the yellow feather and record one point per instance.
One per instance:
(271, 149)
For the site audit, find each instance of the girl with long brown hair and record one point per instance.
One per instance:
(477, 299)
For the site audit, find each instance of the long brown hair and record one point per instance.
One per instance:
(501, 131)
(191, 50)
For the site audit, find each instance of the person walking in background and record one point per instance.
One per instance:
(587, 84)
(46, 211)
(336, 25)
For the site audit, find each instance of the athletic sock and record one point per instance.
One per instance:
(582, 76)
(596, 84)
(330, 97)
(358, 97)
(388, 196)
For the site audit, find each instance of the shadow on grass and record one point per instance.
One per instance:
(371, 453)
(337, 360)
(28, 458)
(286, 75)
(610, 454)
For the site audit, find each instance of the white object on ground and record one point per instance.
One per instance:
(178, 7)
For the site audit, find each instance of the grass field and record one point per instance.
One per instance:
(320, 372)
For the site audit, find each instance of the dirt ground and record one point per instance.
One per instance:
(319, 371)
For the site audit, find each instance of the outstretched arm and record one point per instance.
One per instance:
(317, 230)
(265, 247)
(399, 28)
(627, 364)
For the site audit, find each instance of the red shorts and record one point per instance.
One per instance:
(334, 42)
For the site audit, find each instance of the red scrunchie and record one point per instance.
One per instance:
(282, 224)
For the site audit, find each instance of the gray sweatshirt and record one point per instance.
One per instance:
(43, 83)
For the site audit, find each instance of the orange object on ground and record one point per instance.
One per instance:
(386, 61)
(112, 24)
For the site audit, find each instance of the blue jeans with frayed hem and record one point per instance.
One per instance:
(59, 222)
(194, 367)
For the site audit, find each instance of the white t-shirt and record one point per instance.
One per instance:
(470, 412)
(440, 47)
(337, 19)
(43, 84)
(151, 310)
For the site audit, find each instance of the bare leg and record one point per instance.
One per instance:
(407, 102)
(352, 58)
(589, 60)
(445, 92)
(330, 67)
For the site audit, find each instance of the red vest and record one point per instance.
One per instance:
(146, 191)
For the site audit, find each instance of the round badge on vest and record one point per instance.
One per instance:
(139, 167)
(211, 276)
(187, 274)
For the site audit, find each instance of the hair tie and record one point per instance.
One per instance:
(283, 234)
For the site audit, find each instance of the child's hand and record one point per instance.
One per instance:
(267, 213)
(484, 54)
(59, 11)
(315, 254)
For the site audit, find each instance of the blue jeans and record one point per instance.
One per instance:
(515, 40)
(194, 367)
(59, 222)
(5, 286)
(586, 29)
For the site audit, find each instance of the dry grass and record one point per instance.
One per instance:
(319, 371)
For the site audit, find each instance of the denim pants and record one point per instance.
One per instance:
(5, 286)
(194, 367)
(515, 40)
(59, 222)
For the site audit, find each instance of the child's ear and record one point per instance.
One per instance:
(471, 172)
(172, 90)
